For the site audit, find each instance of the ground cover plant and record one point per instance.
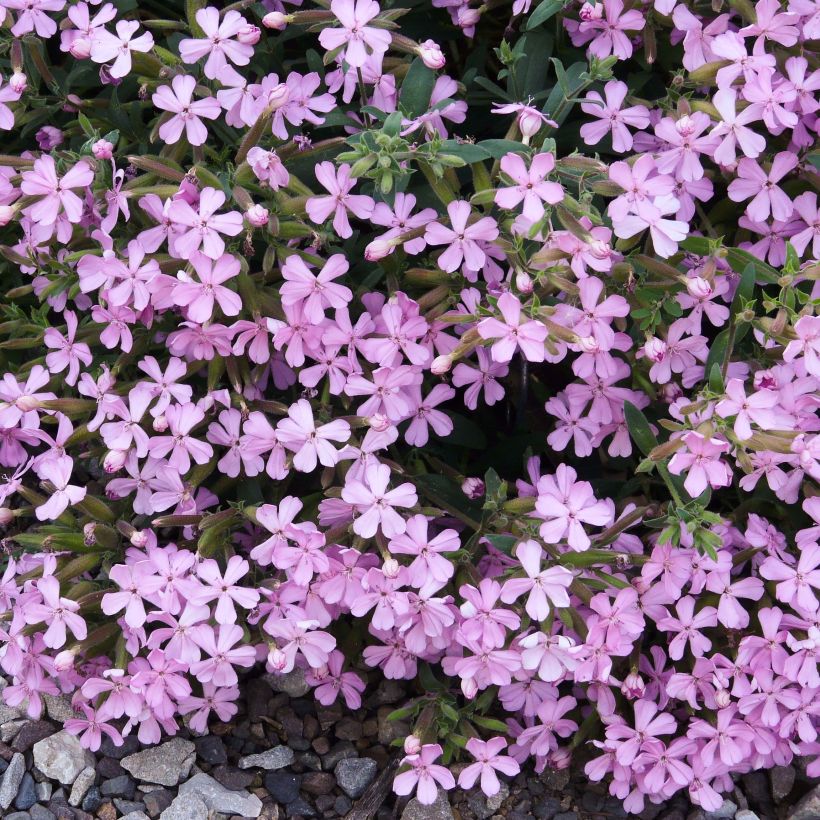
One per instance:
(470, 345)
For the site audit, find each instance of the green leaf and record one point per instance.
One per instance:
(499, 148)
(490, 723)
(465, 150)
(545, 10)
(445, 493)
(503, 543)
(392, 125)
(428, 680)
(717, 352)
(417, 88)
(716, 380)
(466, 433)
(639, 428)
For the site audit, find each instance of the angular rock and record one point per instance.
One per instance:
(484, 807)
(38, 812)
(232, 778)
(122, 786)
(318, 783)
(165, 765)
(271, 759)
(26, 794)
(10, 729)
(61, 757)
(300, 808)
(12, 778)
(746, 814)
(217, 798)
(30, 733)
(782, 778)
(291, 683)
(355, 774)
(58, 707)
(135, 815)
(283, 787)
(85, 780)
(808, 808)
(725, 812)
(186, 807)
(157, 801)
(438, 810)
(211, 749)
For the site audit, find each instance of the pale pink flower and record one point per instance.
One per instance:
(187, 112)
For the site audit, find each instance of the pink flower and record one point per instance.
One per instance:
(299, 433)
(795, 584)
(608, 18)
(755, 183)
(512, 333)
(199, 297)
(33, 16)
(299, 637)
(135, 581)
(702, 464)
(375, 503)
(758, 408)
(530, 185)
(612, 117)
(330, 681)
(462, 238)
(733, 129)
(182, 418)
(57, 195)
(687, 627)
(219, 43)
(223, 588)
(204, 226)
(489, 760)
(356, 38)
(566, 504)
(223, 654)
(66, 353)
(544, 586)
(484, 377)
(423, 775)
(187, 112)
(92, 728)
(59, 613)
(429, 570)
(314, 292)
(106, 46)
(339, 184)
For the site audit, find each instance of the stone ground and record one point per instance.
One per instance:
(286, 756)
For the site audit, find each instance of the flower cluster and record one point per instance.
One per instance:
(320, 368)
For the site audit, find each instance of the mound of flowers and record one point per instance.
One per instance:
(487, 362)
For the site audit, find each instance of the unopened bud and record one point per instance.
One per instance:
(441, 365)
(160, 424)
(6, 516)
(276, 20)
(139, 538)
(378, 249)
(412, 745)
(379, 422)
(114, 460)
(699, 287)
(278, 96)
(7, 213)
(633, 686)
(249, 34)
(589, 344)
(257, 216)
(523, 281)
(80, 49)
(431, 54)
(18, 82)
(102, 149)
(277, 660)
(655, 349)
(65, 660)
(391, 568)
(722, 698)
(473, 488)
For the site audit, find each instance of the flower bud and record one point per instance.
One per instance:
(589, 344)
(431, 54)
(7, 213)
(160, 424)
(49, 137)
(276, 20)
(633, 686)
(18, 82)
(278, 96)
(391, 568)
(559, 759)
(699, 287)
(378, 249)
(523, 282)
(441, 365)
(89, 538)
(468, 17)
(6, 516)
(722, 698)
(379, 422)
(114, 460)
(80, 49)
(102, 149)
(65, 660)
(473, 488)
(249, 35)
(412, 745)
(140, 538)
(655, 349)
(277, 660)
(257, 216)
